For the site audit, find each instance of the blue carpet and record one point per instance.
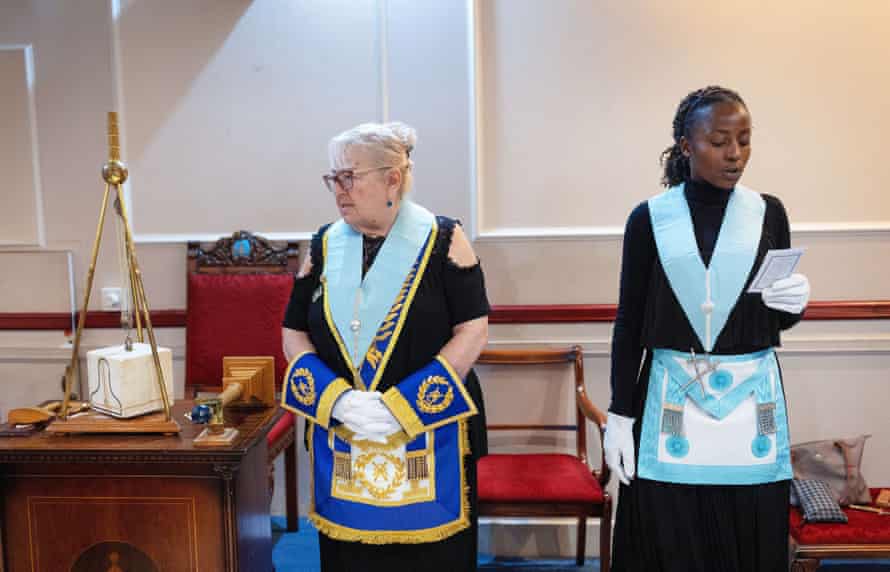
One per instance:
(487, 563)
(294, 551)
(298, 552)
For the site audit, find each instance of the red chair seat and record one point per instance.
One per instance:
(283, 425)
(536, 478)
(862, 528)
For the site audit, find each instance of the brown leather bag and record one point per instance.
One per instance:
(836, 462)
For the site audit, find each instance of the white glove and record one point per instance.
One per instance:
(618, 445)
(364, 413)
(788, 294)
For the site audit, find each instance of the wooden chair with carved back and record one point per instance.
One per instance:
(552, 484)
(238, 288)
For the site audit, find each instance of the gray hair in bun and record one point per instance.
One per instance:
(389, 144)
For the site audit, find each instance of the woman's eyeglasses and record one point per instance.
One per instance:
(346, 177)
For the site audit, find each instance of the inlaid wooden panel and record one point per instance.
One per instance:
(176, 523)
(81, 502)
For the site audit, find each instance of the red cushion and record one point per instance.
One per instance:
(536, 478)
(862, 528)
(283, 425)
(233, 315)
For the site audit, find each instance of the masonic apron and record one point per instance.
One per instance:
(712, 419)
(413, 488)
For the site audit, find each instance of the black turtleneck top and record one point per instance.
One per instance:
(649, 315)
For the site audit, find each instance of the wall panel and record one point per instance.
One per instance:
(577, 100)
(227, 119)
(428, 87)
(35, 282)
(21, 218)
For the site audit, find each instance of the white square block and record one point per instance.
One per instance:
(123, 383)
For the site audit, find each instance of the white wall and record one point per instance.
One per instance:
(540, 125)
(21, 222)
(578, 99)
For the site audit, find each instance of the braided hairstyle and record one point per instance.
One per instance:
(676, 165)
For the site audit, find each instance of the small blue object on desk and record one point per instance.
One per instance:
(200, 414)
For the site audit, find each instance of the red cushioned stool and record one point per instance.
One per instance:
(548, 485)
(238, 289)
(865, 535)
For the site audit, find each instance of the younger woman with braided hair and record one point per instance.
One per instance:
(699, 435)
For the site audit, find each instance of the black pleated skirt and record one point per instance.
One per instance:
(666, 527)
(454, 554)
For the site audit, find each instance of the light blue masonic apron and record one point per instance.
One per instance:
(407, 490)
(712, 419)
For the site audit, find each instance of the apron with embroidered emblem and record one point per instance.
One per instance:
(712, 419)
(408, 490)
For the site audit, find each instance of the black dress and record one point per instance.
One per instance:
(447, 295)
(667, 527)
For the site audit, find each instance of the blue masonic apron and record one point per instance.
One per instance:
(712, 419)
(407, 490)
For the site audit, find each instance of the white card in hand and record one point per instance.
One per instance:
(777, 264)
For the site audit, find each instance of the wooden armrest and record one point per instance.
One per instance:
(590, 411)
(593, 414)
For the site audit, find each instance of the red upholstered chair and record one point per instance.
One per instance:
(555, 484)
(866, 535)
(238, 289)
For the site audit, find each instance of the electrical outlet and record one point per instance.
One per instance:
(111, 298)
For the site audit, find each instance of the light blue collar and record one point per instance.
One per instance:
(383, 281)
(731, 263)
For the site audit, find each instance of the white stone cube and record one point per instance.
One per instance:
(124, 384)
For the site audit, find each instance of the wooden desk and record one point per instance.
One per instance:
(140, 502)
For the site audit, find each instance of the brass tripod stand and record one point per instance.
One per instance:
(115, 173)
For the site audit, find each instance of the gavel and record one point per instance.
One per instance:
(248, 382)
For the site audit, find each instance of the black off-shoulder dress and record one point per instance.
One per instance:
(667, 527)
(448, 295)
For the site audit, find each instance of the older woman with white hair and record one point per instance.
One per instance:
(386, 318)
